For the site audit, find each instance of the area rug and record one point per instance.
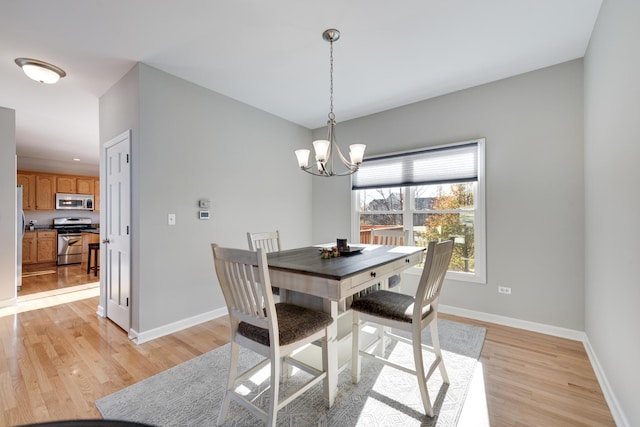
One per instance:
(190, 394)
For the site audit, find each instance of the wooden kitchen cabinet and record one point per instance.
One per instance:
(96, 195)
(28, 183)
(47, 246)
(74, 184)
(39, 247)
(66, 184)
(30, 247)
(86, 239)
(45, 192)
(84, 185)
(40, 188)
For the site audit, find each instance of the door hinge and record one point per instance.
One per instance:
(127, 158)
(127, 230)
(127, 302)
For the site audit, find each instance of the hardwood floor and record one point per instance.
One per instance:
(55, 361)
(42, 278)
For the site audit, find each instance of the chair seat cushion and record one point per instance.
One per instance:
(387, 304)
(294, 323)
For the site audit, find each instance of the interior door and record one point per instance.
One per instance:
(117, 245)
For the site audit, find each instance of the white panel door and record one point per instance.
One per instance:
(117, 269)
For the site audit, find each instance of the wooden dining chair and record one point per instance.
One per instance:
(393, 237)
(267, 240)
(407, 313)
(272, 330)
(270, 242)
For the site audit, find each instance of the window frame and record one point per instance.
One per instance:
(480, 241)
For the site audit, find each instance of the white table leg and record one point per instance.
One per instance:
(330, 354)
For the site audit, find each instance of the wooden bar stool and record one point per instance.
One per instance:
(95, 249)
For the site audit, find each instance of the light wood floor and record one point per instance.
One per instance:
(56, 361)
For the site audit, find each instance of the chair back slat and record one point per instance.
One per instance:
(268, 240)
(389, 236)
(246, 286)
(435, 269)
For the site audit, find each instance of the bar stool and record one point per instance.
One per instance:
(95, 249)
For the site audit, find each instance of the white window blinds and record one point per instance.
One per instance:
(456, 163)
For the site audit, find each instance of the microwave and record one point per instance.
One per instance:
(80, 202)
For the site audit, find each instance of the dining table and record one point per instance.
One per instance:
(330, 283)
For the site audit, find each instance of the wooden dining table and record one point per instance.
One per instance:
(329, 283)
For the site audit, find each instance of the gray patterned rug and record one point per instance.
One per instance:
(190, 394)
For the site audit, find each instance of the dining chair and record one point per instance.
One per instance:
(274, 331)
(267, 240)
(270, 242)
(406, 313)
(393, 237)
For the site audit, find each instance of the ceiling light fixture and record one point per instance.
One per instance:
(324, 147)
(40, 71)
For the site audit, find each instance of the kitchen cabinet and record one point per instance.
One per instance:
(74, 184)
(45, 192)
(86, 239)
(84, 185)
(47, 246)
(30, 247)
(66, 184)
(39, 247)
(96, 195)
(40, 188)
(28, 183)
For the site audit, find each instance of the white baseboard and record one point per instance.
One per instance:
(614, 405)
(572, 334)
(100, 311)
(555, 331)
(141, 337)
(8, 302)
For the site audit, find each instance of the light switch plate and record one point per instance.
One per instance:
(171, 219)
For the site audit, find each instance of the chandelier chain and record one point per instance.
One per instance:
(331, 115)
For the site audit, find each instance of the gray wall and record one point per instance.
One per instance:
(533, 124)
(190, 143)
(612, 229)
(7, 208)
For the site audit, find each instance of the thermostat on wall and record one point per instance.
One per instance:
(203, 214)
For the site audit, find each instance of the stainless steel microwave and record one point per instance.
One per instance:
(79, 202)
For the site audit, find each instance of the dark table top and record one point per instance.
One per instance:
(309, 262)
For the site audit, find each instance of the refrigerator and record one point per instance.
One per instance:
(19, 235)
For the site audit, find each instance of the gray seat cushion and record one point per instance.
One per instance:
(387, 304)
(294, 323)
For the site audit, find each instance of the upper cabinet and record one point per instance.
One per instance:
(66, 184)
(96, 195)
(45, 192)
(84, 185)
(74, 185)
(28, 183)
(39, 189)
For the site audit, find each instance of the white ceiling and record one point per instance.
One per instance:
(270, 54)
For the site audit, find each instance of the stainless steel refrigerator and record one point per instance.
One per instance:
(19, 236)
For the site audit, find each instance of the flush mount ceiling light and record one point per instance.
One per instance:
(40, 71)
(324, 148)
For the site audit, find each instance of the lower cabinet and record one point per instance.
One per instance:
(30, 247)
(39, 247)
(86, 239)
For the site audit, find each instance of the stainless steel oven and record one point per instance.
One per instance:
(70, 239)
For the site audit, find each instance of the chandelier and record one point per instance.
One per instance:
(325, 149)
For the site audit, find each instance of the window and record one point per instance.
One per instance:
(433, 194)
